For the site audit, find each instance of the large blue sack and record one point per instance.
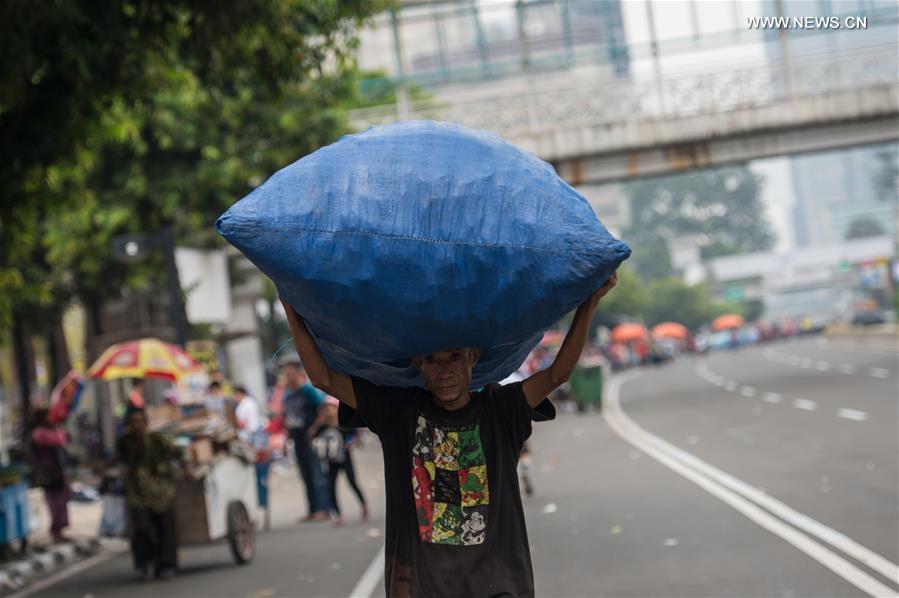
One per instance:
(418, 236)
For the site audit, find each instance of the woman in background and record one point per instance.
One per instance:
(48, 443)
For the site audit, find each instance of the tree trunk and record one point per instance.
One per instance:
(25, 374)
(60, 364)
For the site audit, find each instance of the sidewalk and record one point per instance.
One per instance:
(286, 495)
(42, 557)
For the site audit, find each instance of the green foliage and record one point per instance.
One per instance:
(667, 299)
(629, 297)
(137, 116)
(376, 88)
(651, 259)
(720, 208)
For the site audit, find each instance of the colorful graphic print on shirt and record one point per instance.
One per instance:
(449, 483)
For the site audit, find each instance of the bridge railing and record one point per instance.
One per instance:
(636, 100)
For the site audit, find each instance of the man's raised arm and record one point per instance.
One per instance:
(339, 386)
(540, 384)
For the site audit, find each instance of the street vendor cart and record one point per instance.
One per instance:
(218, 502)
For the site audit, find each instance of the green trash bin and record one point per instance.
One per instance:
(586, 386)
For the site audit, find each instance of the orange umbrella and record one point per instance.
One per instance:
(670, 330)
(143, 358)
(727, 322)
(628, 332)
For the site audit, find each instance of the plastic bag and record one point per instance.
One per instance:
(419, 236)
(114, 518)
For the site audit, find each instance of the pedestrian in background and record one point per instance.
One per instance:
(149, 459)
(136, 396)
(301, 403)
(216, 401)
(48, 441)
(250, 421)
(333, 448)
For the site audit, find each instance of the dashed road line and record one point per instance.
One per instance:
(821, 365)
(774, 397)
(853, 414)
(881, 373)
(805, 404)
(759, 507)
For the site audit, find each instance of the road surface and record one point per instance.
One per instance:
(768, 471)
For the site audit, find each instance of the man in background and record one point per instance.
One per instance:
(301, 403)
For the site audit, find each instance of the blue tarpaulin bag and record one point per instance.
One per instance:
(419, 236)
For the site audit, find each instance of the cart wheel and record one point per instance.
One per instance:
(241, 533)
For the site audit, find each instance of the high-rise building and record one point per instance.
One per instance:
(836, 188)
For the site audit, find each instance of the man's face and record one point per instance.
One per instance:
(294, 376)
(138, 423)
(447, 373)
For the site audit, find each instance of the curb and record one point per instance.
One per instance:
(20, 574)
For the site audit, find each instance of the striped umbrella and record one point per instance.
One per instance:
(143, 358)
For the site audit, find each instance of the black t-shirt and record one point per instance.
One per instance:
(455, 524)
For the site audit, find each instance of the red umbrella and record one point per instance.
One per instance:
(727, 322)
(628, 332)
(670, 330)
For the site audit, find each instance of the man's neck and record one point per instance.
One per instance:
(458, 403)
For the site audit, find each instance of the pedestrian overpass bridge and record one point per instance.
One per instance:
(608, 131)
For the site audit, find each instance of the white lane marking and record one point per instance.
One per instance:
(737, 494)
(847, 368)
(805, 404)
(879, 373)
(69, 572)
(369, 581)
(853, 414)
(747, 391)
(730, 386)
(823, 366)
(772, 397)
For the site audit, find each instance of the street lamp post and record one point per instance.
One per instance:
(135, 248)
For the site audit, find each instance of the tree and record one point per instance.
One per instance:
(123, 117)
(720, 207)
(143, 116)
(864, 226)
(627, 299)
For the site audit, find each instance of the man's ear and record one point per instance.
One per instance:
(417, 361)
(473, 356)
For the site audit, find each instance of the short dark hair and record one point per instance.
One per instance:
(137, 382)
(215, 385)
(134, 409)
(241, 390)
(40, 416)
